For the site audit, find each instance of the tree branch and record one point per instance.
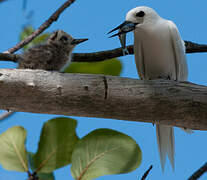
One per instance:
(44, 26)
(9, 57)
(192, 47)
(109, 54)
(146, 173)
(181, 104)
(5, 115)
(114, 53)
(101, 55)
(199, 172)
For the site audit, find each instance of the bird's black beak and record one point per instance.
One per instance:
(124, 28)
(78, 41)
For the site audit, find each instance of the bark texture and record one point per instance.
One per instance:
(181, 104)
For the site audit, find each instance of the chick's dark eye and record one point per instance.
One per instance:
(140, 14)
(63, 38)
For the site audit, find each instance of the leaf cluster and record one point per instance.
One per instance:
(101, 152)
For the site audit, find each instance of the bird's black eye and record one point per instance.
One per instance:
(140, 14)
(64, 38)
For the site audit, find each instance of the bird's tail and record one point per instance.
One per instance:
(166, 144)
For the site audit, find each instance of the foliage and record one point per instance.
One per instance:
(57, 140)
(28, 30)
(41, 176)
(109, 67)
(13, 155)
(104, 152)
(101, 152)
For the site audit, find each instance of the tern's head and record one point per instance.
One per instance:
(135, 18)
(64, 40)
(141, 15)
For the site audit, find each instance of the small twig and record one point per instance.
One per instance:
(101, 55)
(108, 54)
(199, 172)
(44, 26)
(32, 176)
(9, 57)
(5, 115)
(146, 173)
(192, 47)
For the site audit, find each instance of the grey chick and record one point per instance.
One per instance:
(55, 55)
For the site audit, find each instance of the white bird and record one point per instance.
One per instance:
(159, 54)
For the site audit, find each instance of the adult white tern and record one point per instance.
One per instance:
(159, 54)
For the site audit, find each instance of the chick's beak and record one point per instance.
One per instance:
(78, 41)
(124, 28)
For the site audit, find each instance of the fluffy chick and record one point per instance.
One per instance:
(55, 55)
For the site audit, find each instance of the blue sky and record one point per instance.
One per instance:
(93, 19)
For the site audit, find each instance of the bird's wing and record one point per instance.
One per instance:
(139, 59)
(43, 52)
(179, 51)
(36, 57)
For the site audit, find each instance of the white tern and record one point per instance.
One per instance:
(159, 54)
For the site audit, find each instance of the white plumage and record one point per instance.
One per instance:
(159, 54)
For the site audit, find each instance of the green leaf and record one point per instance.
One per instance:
(13, 155)
(104, 152)
(41, 176)
(41, 39)
(109, 67)
(28, 30)
(58, 138)
(46, 176)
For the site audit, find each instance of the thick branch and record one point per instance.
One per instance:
(174, 103)
(109, 54)
(44, 26)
